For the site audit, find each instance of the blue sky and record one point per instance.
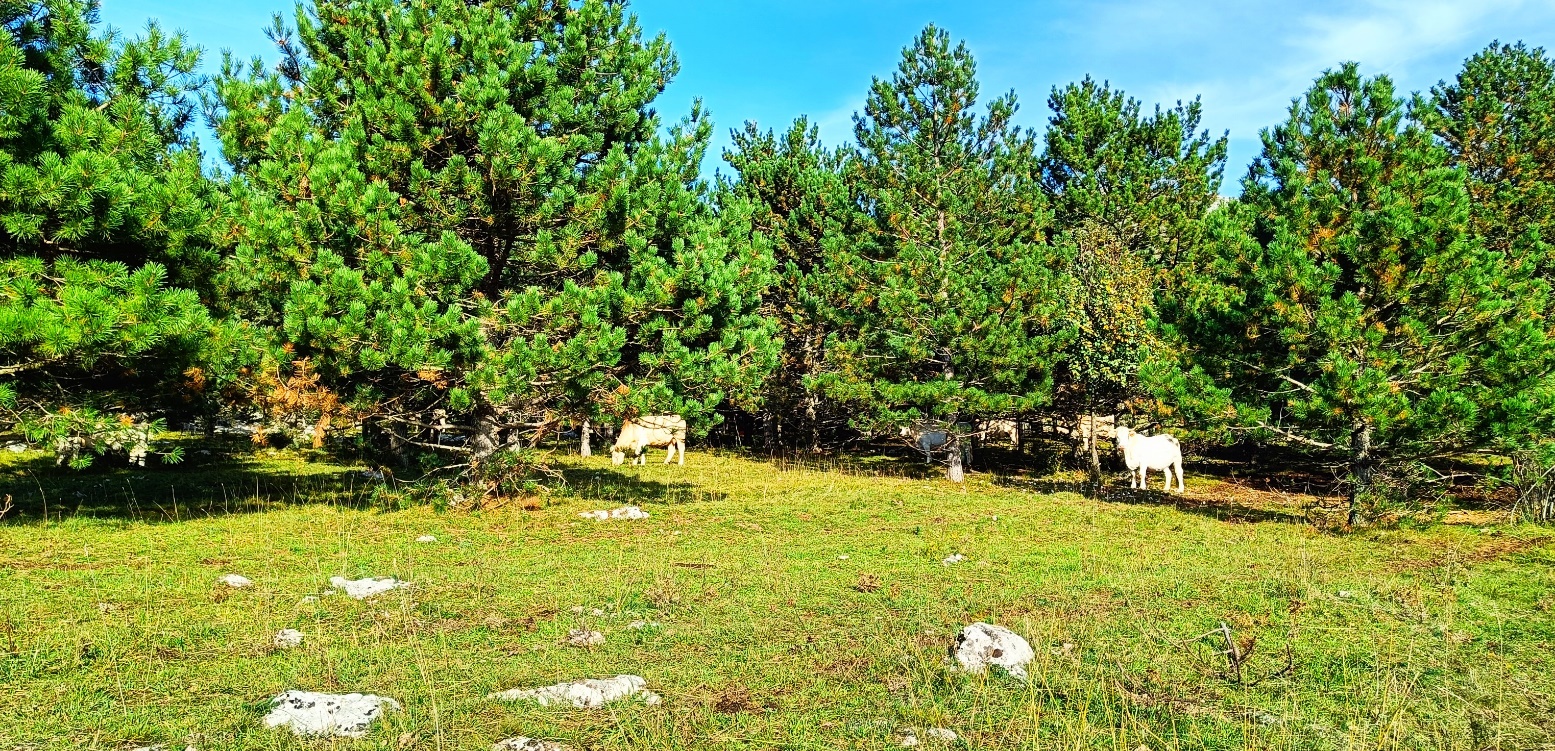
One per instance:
(770, 61)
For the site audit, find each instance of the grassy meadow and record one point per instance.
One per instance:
(797, 607)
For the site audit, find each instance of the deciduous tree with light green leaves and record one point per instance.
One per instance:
(103, 247)
(1353, 309)
(1130, 193)
(465, 218)
(946, 309)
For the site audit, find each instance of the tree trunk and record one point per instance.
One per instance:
(1095, 463)
(1360, 468)
(953, 445)
(487, 439)
(584, 433)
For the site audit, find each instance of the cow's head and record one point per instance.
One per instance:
(1123, 436)
(617, 457)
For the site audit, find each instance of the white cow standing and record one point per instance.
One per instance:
(925, 440)
(1144, 453)
(657, 431)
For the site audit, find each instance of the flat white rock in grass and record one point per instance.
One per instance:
(584, 638)
(586, 693)
(935, 735)
(16, 448)
(287, 638)
(625, 512)
(362, 589)
(528, 744)
(329, 715)
(236, 581)
(983, 644)
(426, 538)
(957, 558)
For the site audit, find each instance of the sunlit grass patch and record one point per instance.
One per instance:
(116, 633)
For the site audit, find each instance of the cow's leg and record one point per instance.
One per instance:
(1180, 487)
(682, 444)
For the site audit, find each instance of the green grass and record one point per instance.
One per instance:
(114, 633)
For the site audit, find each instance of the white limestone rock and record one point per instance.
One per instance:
(580, 637)
(311, 714)
(957, 558)
(625, 512)
(236, 581)
(586, 693)
(287, 638)
(981, 645)
(911, 736)
(361, 589)
(426, 538)
(528, 744)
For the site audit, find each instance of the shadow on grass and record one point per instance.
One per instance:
(214, 480)
(612, 486)
(869, 460)
(1222, 509)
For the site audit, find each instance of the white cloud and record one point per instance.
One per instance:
(1394, 35)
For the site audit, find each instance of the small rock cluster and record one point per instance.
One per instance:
(528, 744)
(588, 693)
(625, 512)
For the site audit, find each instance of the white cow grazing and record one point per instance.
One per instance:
(1143, 453)
(658, 431)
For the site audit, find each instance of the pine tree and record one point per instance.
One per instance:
(462, 213)
(799, 202)
(945, 310)
(1497, 121)
(103, 247)
(1353, 309)
(1129, 193)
